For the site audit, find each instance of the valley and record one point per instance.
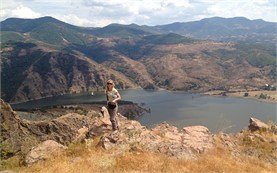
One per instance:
(39, 62)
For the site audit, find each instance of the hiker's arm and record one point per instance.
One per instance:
(118, 97)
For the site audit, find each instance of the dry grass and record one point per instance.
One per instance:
(80, 159)
(214, 161)
(259, 143)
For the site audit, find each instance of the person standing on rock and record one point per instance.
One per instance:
(112, 98)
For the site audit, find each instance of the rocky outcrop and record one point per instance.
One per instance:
(12, 130)
(19, 135)
(164, 138)
(73, 127)
(44, 151)
(256, 124)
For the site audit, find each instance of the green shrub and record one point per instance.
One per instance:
(262, 96)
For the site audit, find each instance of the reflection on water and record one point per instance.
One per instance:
(179, 108)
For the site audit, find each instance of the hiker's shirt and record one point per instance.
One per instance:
(111, 95)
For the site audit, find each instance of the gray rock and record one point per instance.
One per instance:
(256, 124)
(198, 138)
(44, 151)
(107, 142)
(81, 134)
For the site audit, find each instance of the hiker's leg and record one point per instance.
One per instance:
(116, 117)
(112, 113)
(102, 110)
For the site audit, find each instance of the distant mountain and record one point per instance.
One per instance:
(46, 29)
(46, 57)
(124, 31)
(221, 26)
(225, 29)
(27, 25)
(215, 28)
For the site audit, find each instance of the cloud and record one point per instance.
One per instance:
(18, 11)
(138, 11)
(24, 12)
(75, 20)
(256, 9)
(261, 2)
(13, 9)
(176, 3)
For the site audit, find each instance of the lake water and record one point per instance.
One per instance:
(179, 108)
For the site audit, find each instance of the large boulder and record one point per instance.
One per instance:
(44, 151)
(256, 124)
(198, 138)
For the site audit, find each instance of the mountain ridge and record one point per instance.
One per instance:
(191, 28)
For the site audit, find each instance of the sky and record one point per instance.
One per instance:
(99, 13)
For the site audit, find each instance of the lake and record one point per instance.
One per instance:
(178, 108)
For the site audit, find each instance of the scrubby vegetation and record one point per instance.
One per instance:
(262, 96)
(10, 36)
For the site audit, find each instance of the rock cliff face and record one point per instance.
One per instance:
(19, 136)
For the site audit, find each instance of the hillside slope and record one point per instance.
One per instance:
(45, 57)
(36, 73)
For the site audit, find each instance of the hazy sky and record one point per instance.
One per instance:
(148, 12)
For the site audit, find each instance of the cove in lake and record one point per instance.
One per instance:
(178, 108)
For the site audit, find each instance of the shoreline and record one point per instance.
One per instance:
(232, 94)
(129, 109)
(253, 95)
(65, 94)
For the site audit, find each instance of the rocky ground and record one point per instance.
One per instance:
(87, 140)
